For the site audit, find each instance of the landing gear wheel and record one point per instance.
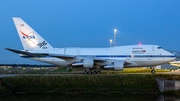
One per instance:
(99, 72)
(89, 72)
(153, 71)
(85, 72)
(94, 72)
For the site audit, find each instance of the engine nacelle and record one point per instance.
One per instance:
(77, 64)
(86, 63)
(117, 66)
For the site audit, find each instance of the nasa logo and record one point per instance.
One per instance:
(42, 44)
(29, 36)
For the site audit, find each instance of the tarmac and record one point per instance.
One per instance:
(172, 72)
(10, 75)
(176, 72)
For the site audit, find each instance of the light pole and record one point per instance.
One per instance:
(115, 37)
(110, 42)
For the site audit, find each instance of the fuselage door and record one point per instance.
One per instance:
(148, 56)
(152, 53)
(128, 56)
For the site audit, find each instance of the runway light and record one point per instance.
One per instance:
(140, 44)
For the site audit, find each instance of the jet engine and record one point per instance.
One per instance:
(117, 66)
(86, 63)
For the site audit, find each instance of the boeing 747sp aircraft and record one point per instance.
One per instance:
(92, 59)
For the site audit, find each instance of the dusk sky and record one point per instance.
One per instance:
(90, 23)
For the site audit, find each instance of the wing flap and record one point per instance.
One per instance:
(61, 56)
(112, 60)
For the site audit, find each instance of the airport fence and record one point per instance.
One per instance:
(8, 85)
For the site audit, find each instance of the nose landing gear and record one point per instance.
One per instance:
(153, 71)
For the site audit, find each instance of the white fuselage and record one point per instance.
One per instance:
(138, 55)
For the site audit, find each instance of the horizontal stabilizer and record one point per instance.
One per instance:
(27, 53)
(40, 54)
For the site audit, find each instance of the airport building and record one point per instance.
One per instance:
(25, 68)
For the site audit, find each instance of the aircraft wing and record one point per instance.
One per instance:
(67, 57)
(70, 58)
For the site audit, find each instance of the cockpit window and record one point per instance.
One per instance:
(159, 47)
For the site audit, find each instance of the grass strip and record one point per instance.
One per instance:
(97, 84)
(81, 80)
(85, 83)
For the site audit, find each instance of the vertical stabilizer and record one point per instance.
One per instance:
(30, 39)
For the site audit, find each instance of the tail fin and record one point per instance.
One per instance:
(30, 39)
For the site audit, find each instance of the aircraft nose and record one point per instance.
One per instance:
(172, 56)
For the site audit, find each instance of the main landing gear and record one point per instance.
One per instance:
(92, 72)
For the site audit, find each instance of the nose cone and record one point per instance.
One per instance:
(171, 56)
